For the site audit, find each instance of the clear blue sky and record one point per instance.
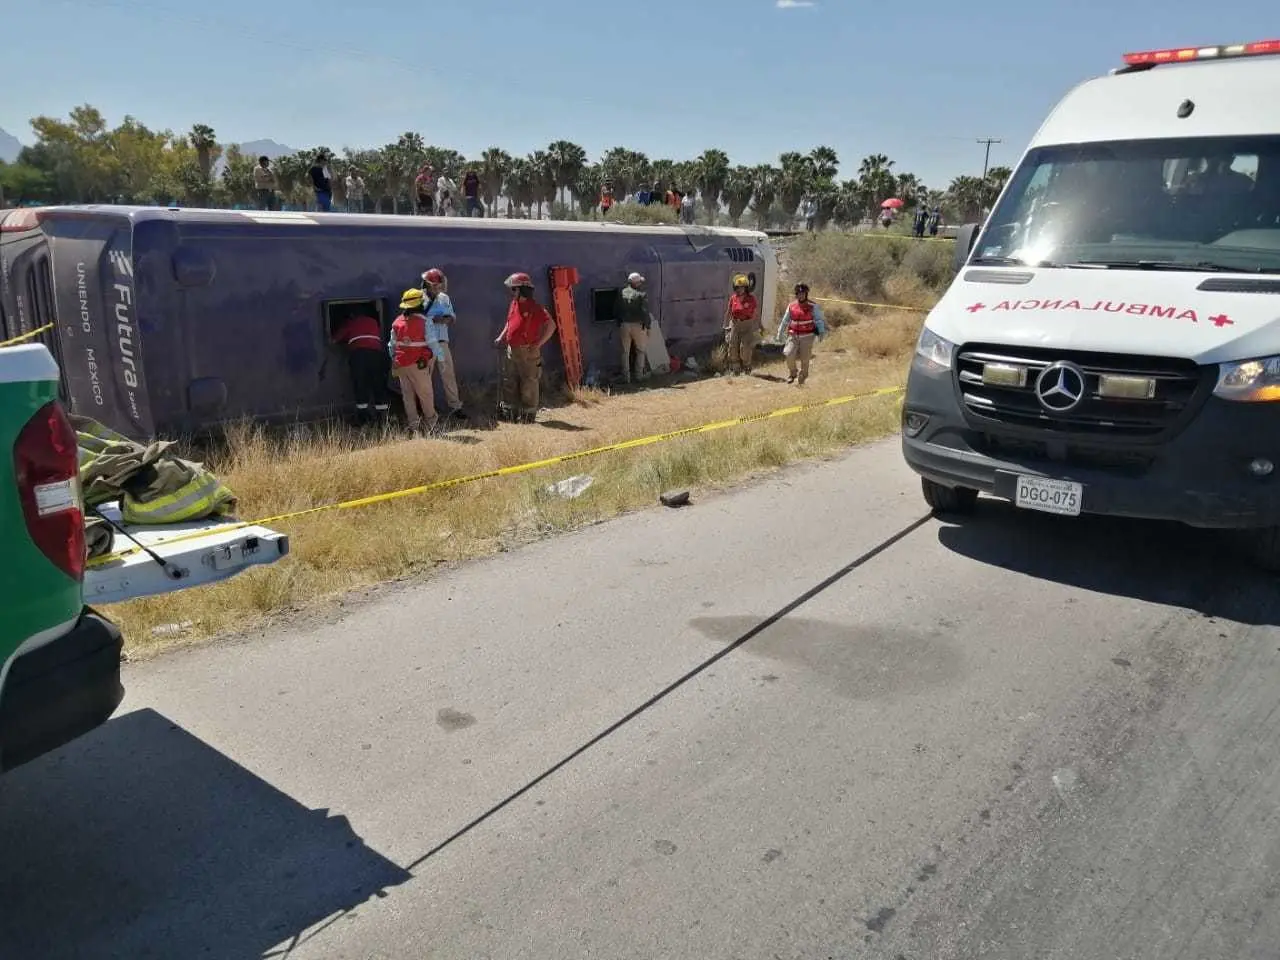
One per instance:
(918, 81)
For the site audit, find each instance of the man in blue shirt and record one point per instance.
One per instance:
(440, 317)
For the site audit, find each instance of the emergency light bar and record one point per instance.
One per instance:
(1188, 54)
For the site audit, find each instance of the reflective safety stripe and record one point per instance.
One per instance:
(365, 336)
(412, 343)
(201, 497)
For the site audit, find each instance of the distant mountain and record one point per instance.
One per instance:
(255, 149)
(266, 148)
(9, 147)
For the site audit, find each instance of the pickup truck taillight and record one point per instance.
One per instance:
(46, 463)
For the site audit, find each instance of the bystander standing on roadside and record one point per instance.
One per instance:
(687, 208)
(322, 181)
(355, 191)
(809, 210)
(264, 184)
(440, 320)
(471, 190)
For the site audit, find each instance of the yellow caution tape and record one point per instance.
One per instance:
(518, 468)
(904, 236)
(864, 303)
(26, 336)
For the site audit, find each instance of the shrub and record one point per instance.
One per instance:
(627, 212)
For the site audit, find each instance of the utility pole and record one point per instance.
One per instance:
(986, 159)
(986, 162)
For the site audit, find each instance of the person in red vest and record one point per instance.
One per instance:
(802, 325)
(527, 331)
(742, 325)
(361, 336)
(412, 360)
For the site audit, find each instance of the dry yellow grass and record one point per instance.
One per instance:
(336, 551)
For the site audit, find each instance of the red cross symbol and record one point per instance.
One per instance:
(1221, 320)
(976, 307)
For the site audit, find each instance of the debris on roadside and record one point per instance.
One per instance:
(674, 498)
(172, 629)
(571, 488)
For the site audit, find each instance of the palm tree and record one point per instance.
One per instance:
(586, 189)
(628, 168)
(205, 143)
(968, 196)
(875, 175)
(797, 180)
(997, 177)
(544, 179)
(521, 189)
(567, 162)
(495, 164)
(909, 188)
(664, 173)
(713, 171)
(825, 161)
(766, 179)
(739, 188)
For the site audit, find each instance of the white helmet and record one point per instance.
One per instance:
(635, 278)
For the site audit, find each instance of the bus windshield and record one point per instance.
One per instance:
(1207, 204)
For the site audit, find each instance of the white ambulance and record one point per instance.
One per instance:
(1111, 341)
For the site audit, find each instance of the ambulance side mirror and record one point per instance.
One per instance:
(966, 237)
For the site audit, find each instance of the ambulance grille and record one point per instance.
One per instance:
(1181, 386)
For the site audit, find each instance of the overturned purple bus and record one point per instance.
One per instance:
(169, 322)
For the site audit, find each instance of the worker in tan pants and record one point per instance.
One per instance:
(742, 326)
(413, 362)
(528, 328)
(802, 325)
(440, 320)
(631, 313)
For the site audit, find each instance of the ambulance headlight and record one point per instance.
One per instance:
(933, 353)
(1249, 381)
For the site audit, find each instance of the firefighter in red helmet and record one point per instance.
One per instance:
(528, 328)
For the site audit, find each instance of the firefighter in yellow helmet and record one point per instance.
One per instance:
(742, 325)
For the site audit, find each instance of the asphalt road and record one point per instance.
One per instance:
(1017, 737)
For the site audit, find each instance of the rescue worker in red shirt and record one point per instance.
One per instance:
(742, 326)
(527, 331)
(803, 325)
(412, 362)
(361, 335)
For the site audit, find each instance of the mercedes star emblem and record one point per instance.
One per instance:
(1060, 387)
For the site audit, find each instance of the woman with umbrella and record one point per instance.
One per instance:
(887, 210)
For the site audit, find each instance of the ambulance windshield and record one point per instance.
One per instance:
(1208, 204)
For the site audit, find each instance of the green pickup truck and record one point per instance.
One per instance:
(59, 659)
(61, 673)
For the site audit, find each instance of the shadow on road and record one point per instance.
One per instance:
(140, 840)
(1167, 563)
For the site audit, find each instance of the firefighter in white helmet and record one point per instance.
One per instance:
(526, 332)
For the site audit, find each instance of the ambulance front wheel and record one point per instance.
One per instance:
(955, 500)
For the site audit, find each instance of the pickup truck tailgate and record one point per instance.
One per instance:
(194, 554)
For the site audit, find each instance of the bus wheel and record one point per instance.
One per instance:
(942, 499)
(1264, 548)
